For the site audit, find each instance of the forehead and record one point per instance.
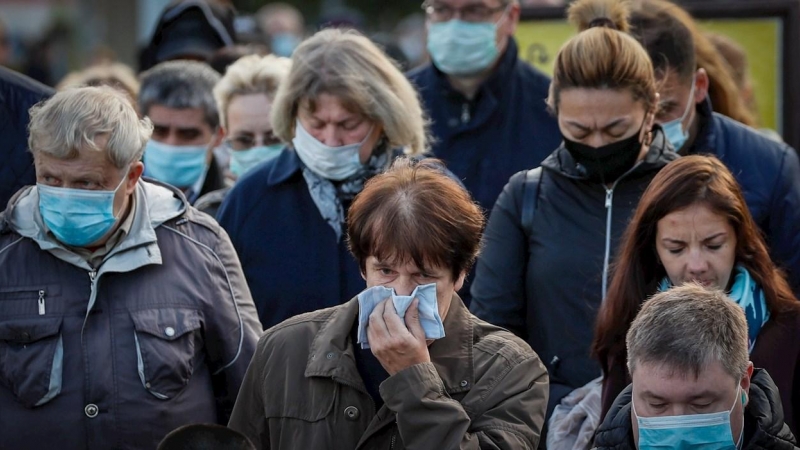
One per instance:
(87, 162)
(249, 108)
(597, 105)
(327, 105)
(678, 385)
(698, 215)
(164, 116)
(672, 88)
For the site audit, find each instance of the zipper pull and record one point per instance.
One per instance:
(609, 196)
(41, 302)
(92, 274)
(465, 116)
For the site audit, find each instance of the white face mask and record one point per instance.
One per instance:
(333, 163)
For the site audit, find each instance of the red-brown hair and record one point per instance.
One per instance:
(416, 212)
(682, 183)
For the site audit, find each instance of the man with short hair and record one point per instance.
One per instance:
(124, 312)
(178, 98)
(488, 107)
(693, 383)
(768, 171)
(427, 374)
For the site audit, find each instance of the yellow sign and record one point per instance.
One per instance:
(539, 41)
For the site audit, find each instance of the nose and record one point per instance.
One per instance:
(330, 136)
(595, 140)
(404, 286)
(697, 263)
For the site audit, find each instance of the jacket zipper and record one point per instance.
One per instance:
(609, 210)
(391, 445)
(41, 302)
(465, 115)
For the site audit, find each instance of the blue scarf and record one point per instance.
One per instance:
(747, 294)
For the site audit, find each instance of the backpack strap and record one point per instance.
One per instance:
(530, 198)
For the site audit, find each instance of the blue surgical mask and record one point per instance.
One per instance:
(462, 48)
(77, 217)
(181, 166)
(428, 309)
(693, 431)
(333, 163)
(673, 130)
(283, 44)
(244, 160)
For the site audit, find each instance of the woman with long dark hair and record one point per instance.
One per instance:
(692, 224)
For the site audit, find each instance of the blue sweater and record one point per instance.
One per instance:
(504, 129)
(290, 256)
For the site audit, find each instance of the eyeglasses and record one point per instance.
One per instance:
(246, 142)
(470, 13)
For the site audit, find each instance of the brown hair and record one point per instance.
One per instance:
(416, 212)
(684, 182)
(602, 55)
(724, 94)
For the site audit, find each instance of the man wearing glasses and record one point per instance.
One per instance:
(487, 106)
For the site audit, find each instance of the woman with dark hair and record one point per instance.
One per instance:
(692, 224)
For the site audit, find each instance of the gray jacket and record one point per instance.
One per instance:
(159, 335)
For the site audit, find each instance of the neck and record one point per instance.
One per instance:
(468, 86)
(694, 127)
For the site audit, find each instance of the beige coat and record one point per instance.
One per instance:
(485, 388)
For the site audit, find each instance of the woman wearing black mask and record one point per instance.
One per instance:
(544, 268)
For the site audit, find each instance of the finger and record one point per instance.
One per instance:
(376, 321)
(393, 321)
(413, 321)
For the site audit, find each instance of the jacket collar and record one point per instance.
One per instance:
(331, 353)
(659, 154)
(286, 164)
(155, 204)
(706, 131)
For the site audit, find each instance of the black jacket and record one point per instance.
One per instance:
(547, 286)
(17, 94)
(763, 420)
(769, 173)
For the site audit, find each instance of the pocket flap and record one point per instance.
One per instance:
(26, 331)
(168, 324)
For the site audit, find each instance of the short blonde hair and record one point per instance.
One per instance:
(349, 66)
(71, 121)
(250, 74)
(114, 74)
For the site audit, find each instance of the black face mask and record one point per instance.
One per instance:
(607, 163)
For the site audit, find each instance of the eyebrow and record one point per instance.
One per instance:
(609, 125)
(710, 238)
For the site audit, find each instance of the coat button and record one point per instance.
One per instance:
(91, 410)
(464, 383)
(352, 413)
(329, 355)
(169, 331)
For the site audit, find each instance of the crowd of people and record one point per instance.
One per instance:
(314, 249)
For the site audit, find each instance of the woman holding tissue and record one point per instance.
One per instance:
(415, 233)
(348, 112)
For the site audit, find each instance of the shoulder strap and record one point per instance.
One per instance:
(530, 197)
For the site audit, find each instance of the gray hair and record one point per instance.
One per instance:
(688, 327)
(180, 85)
(250, 74)
(73, 119)
(349, 66)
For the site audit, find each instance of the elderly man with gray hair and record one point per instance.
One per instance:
(693, 383)
(178, 98)
(108, 336)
